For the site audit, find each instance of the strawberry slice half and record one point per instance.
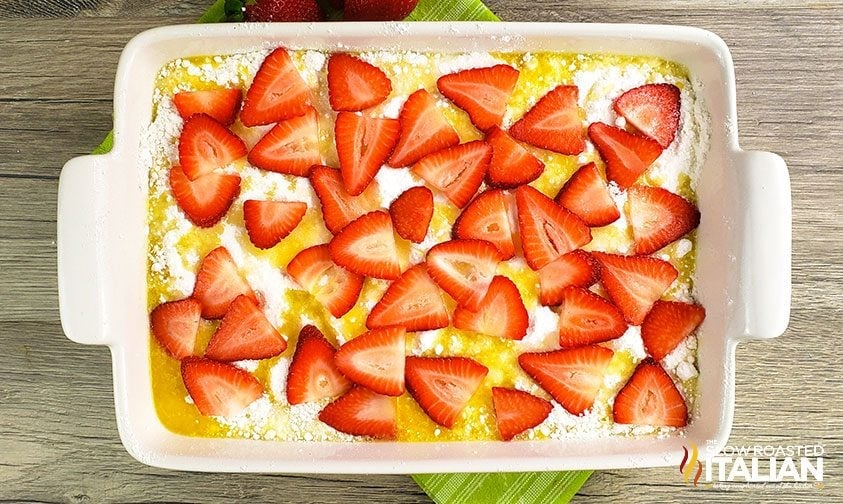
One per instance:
(336, 288)
(443, 385)
(354, 84)
(667, 324)
(586, 318)
(658, 217)
(361, 412)
(413, 302)
(650, 398)
(375, 360)
(278, 92)
(653, 109)
(175, 325)
(245, 334)
(501, 312)
(627, 155)
(572, 376)
(586, 194)
(517, 411)
(268, 222)
(313, 375)
(220, 104)
(554, 123)
(488, 218)
(207, 199)
(512, 164)
(481, 92)
(218, 282)
(217, 388)
(576, 268)
(634, 283)
(411, 213)
(291, 146)
(339, 207)
(205, 145)
(464, 269)
(424, 130)
(456, 171)
(367, 247)
(363, 144)
(547, 229)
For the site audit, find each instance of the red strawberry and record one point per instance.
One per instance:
(586, 318)
(219, 389)
(245, 334)
(627, 156)
(282, 10)
(361, 412)
(411, 213)
(456, 171)
(278, 92)
(355, 85)
(443, 385)
(501, 312)
(547, 230)
(575, 268)
(464, 269)
(424, 130)
(650, 398)
(375, 360)
(378, 10)
(517, 411)
(363, 144)
(206, 199)
(313, 374)
(333, 286)
(572, 376)
(268, 222)
(291, 146)
(367, 247)
(634, 282)
(482, 92)
(653, 109)
(413, 301)
(658, 217)
(220, 104)
(218, 282)
(487, 218)
(175, 325)
(205, 145)
(587, 195)
(338, 207)
(667, 324)
(512, 164)
(554, 123)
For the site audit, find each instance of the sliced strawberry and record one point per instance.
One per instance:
(220, 104)
(424, 130)
(338, 206)
(413, 301)
(375, 360)
(487, 218)
(219, 389)
(313, 374)
(586, 194)
(291, 146)
(586, 318)
(278, 92)
(501, 312)
(572, 376)
(464, 269)
(547, 230)
(175, 325)
(218, 282)
(443, 385)
(650, 398)
(653, 109)
(456, 171)
(512, 164)
(367, 247)
(336, 288)
(575, 268)
(205, 145)
(207, 199)
(361, 412)
(627, 155)
(634, 282)
(363, 144)
(411, 213)
(658, 217)
(245, 334)
(667, 324)
(355, 85)
(482, 92)
(517, 411)
(554, 123)
(268, 222)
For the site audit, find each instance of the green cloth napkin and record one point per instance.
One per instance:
(462, 488)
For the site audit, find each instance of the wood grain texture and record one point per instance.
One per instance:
(58, 438)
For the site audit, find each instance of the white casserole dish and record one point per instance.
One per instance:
(743, 268)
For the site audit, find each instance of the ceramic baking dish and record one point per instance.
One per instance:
(743, 274)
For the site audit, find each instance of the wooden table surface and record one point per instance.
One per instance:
(58, 437)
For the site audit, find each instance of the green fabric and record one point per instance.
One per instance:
(462, 488)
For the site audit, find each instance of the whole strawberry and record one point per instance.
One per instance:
(283, 10)
(378, 10)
